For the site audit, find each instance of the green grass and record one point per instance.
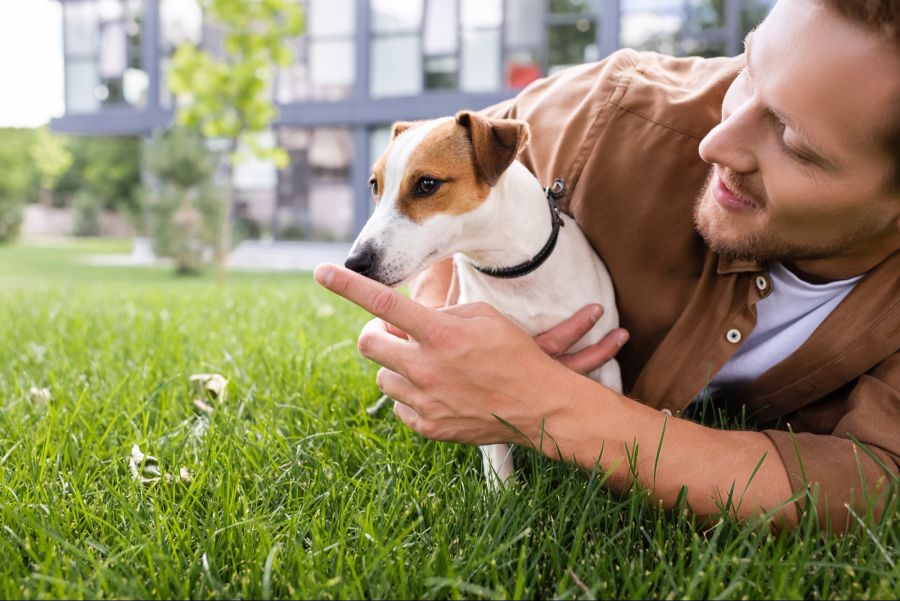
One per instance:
(296, 490)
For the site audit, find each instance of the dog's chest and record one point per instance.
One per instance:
(534, 307)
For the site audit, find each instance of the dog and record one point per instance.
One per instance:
(453, 187)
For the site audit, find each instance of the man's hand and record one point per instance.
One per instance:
(559, 339)
(454, 371)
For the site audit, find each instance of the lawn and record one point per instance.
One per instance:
(291, 488)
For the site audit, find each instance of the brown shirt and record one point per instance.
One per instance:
(624, 134)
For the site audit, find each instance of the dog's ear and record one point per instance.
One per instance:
(400, 127)
(496, 142)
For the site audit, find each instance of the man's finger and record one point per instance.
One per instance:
(560, 337)
(379, 300)
(407, 415)
(590, 358)
(384, 348)
(397, 387)
(394, 330)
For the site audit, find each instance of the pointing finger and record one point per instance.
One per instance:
(391, 306)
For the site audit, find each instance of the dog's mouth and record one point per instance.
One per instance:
(392, 276)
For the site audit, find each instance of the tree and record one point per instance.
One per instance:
(106, 168)
(18, 179)
(183, 219)
(229, 97)
(51, 160)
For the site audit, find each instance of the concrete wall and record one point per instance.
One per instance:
(40, 221)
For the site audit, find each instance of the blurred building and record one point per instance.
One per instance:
(361, 65)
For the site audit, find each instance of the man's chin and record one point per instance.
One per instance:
(722, 232)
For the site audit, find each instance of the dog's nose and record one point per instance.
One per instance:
(362, 261)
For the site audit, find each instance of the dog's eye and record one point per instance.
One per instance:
(373, 183)
(426, 186)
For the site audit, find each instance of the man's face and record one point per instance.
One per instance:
(799, 168)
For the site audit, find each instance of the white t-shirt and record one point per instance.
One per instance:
(784, 320)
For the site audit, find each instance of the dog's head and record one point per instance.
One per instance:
(433, 190)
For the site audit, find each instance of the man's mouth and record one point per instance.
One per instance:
(727, 198)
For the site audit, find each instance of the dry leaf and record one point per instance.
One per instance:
(39, 396)
(203, 406)
(144, 468)
(214, 384)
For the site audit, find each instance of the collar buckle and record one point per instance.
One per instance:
(553, 192)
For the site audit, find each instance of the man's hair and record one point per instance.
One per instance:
(883, 17)
(880, 15)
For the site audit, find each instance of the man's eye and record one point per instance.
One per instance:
(373, 183)
(426, 186)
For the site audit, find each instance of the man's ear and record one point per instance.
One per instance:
(496, 142)
(400, 127)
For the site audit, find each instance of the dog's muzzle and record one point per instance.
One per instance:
(364, 261)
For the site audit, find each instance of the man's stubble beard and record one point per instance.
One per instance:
(764, 243)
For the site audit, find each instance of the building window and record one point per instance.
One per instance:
(688, 27)
(440, 44)
(103, 55)
(324, 65)
(481, 54)
(572, 33)
(396, 53)
(314, 192)
(525, 41)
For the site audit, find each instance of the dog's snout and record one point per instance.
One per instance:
(361, 261)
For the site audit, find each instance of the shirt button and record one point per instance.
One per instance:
(665, 412)
(761, 283)
(733, 336)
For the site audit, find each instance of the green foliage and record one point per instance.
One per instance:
(184, 225)
(18, 178)
(229, 97)
(50, 157)
(87, 208)
(10, 217)
(107, 167)
(180, 158)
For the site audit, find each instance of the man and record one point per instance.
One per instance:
(787, 303)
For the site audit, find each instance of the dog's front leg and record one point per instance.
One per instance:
(498, 464)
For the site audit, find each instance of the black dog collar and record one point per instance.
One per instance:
(553, 192)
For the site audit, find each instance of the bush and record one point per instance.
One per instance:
(86, 208)
(185, 213)
(10, 217)
(184, 225)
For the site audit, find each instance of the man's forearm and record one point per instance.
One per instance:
(713, 464)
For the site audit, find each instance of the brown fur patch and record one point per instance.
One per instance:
(378, 168)
(445, 154)
(496, 142)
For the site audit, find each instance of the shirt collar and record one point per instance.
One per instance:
(731, 265)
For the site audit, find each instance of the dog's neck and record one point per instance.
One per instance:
(519, 222)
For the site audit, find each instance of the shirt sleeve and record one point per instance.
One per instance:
(853, 467)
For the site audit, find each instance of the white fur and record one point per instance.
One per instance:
(508, 228)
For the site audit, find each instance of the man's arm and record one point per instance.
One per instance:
(463, 368)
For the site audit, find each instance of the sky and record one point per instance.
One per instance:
(31, 62)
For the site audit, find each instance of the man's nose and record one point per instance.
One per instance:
(735, 142)
(362, 261)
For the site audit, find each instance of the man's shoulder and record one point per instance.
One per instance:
(569, 111)
(648, 83)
